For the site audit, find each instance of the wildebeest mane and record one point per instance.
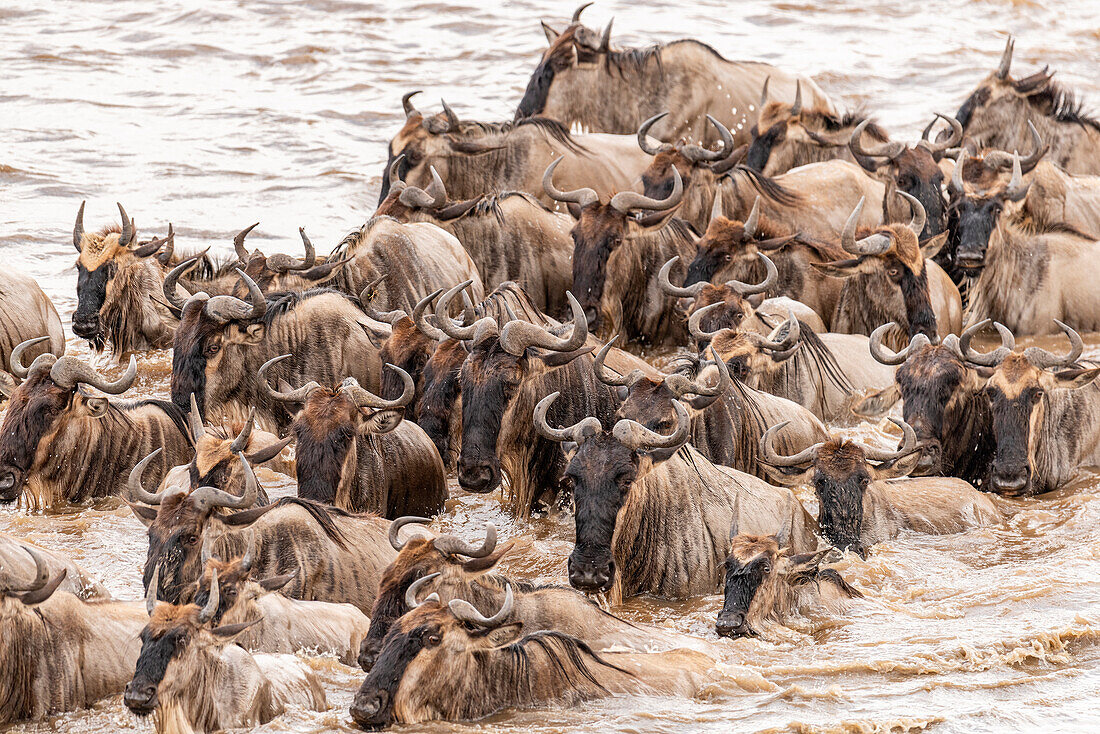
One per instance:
(767, 186)
(279, 304)
(1054, 100)
(552, 128)
(567, 656)
(814, 360)
(322, 514)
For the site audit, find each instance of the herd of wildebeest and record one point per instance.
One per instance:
(789, 265)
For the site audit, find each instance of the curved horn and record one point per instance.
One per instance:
(767, 449)
(736, 510)
(624, 201)
(682, 386)
(401, 522)
(207, 612)
(957, 174)
(15, 359)
(952, 142)
(578, 11)
(205, 498)
(888, 150)
(848, 234)
(68, 371)
(250, 544)
(753, 221)
(170, 280)
(610, 378)
(134, 489)
(577, 432)
(229, 308)
(363, 398)
(418, 317)
(696, 319)
(299, 395)
(240, 443)
(637, 437)
(151, 592)
(194, 420)
(517, 336)
(448, 325)
(747, 289)
(994, 358)
(697, 153)
(452, 118)
(415, 587)
(433, 197)
(454, 545)
(366, 302)
(605, 39)
(764, 92)
(78, 228)
(1042, 359)
(207, 551)
(796, 108)
(908, 444)
(716, 207)
(281, 263)
(916, 224)
(1006, 59)
(643, 131)
(127, 228)
(238, 243)
(1016, 189)
(882, 356)
(690, 291)
(464, 611)
(794, 333)
(407, 105)
(1039, 149)
(581, 197)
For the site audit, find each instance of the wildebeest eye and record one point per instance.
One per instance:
(191, 539)
(727, 257)
(894, 273)
(434, 640)
(212, 349)
(767, 567)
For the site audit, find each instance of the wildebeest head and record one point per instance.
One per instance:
(235, 586)
(730, 243)
(53, 396)
(1019, 389)
(103, 256)
(602, 228)
(412, 340)
(171, 643)
(431, 638)
(177, 519)
(604, 468)
(748, 353)
(889, 266)
(280, 272)
(421, 560)
(15, 594)
(206, 326)
(696, 165)
(572, 58)
(978, 197)
(327, 422)
(789, 135)
(716, 306)
(912, 169)
(840, 471)
(499, 360)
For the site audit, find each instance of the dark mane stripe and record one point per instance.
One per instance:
(766, 186)
(1054, 100)
(323, 514)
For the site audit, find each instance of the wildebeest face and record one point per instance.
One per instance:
(785, 136)
(569, 60)
(650, 402)
(175, 543)
(840, 478)
(733, 315)
(602, 471)
(658, 180)
(91, 293)
(977, 217)
(916, 172)
(489, 379)
(198, 352)
(435, 410)
(1018, 393)
(598, 232)
(750, 580)
(935, 386)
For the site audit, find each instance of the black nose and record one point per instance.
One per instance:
(86, 326)
(368, 654)
(140, 699)
(369, 710)
(591, 577)
(476, 476)
(730, 624)
(9, 486)
(1010, 482)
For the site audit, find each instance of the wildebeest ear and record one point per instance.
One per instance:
(471, 147)
(252, 334)
(897, 468)
(551, 34)
(877, 404)
(384, 421)
(756, 300)
(274, 583)
(780, 476)
(229, 631)
(146, 514)
(807, 561)
(266, 454)
(932, 246)
(97, 407)
(840, 268)
(1073, 379)
(505, 634)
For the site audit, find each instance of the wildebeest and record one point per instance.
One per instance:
(58, 652)
(653, 514)
(511, 236)
(727, 417)
(15, 561)
(913, 169)
(1039, 416)
(475, 158)
(451, 568)
(281, 272)
(25, 313)
(580, 80)
(401, 262)
(62, 442)
(279, 624)
(996, 114)
(1051, 264)
(221, 343)
(616, 259)
(860, 508)
(197, 679)
(766, 582)
(891, 277)
(790, 134)
(355, 451)
(823, 373)
(338, 556)
(453, 663)
(943, 400)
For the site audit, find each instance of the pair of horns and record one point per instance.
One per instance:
(362, 397)
(462, 610)
(449, 124)
(221, 309)
(693, 153)
(1037, 356)
(623, 202)
(38, 589)
(692, 291)
(204, 498)
(892, 149)
(678, 384)
(878, 243)
(124, 238)
(448, 544)
(629, 433)
(809, 454)
(279, 262)
(434, 197)
(68, 372)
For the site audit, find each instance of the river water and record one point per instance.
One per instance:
(214, 115)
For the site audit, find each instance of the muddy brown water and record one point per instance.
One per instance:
(216, 115)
